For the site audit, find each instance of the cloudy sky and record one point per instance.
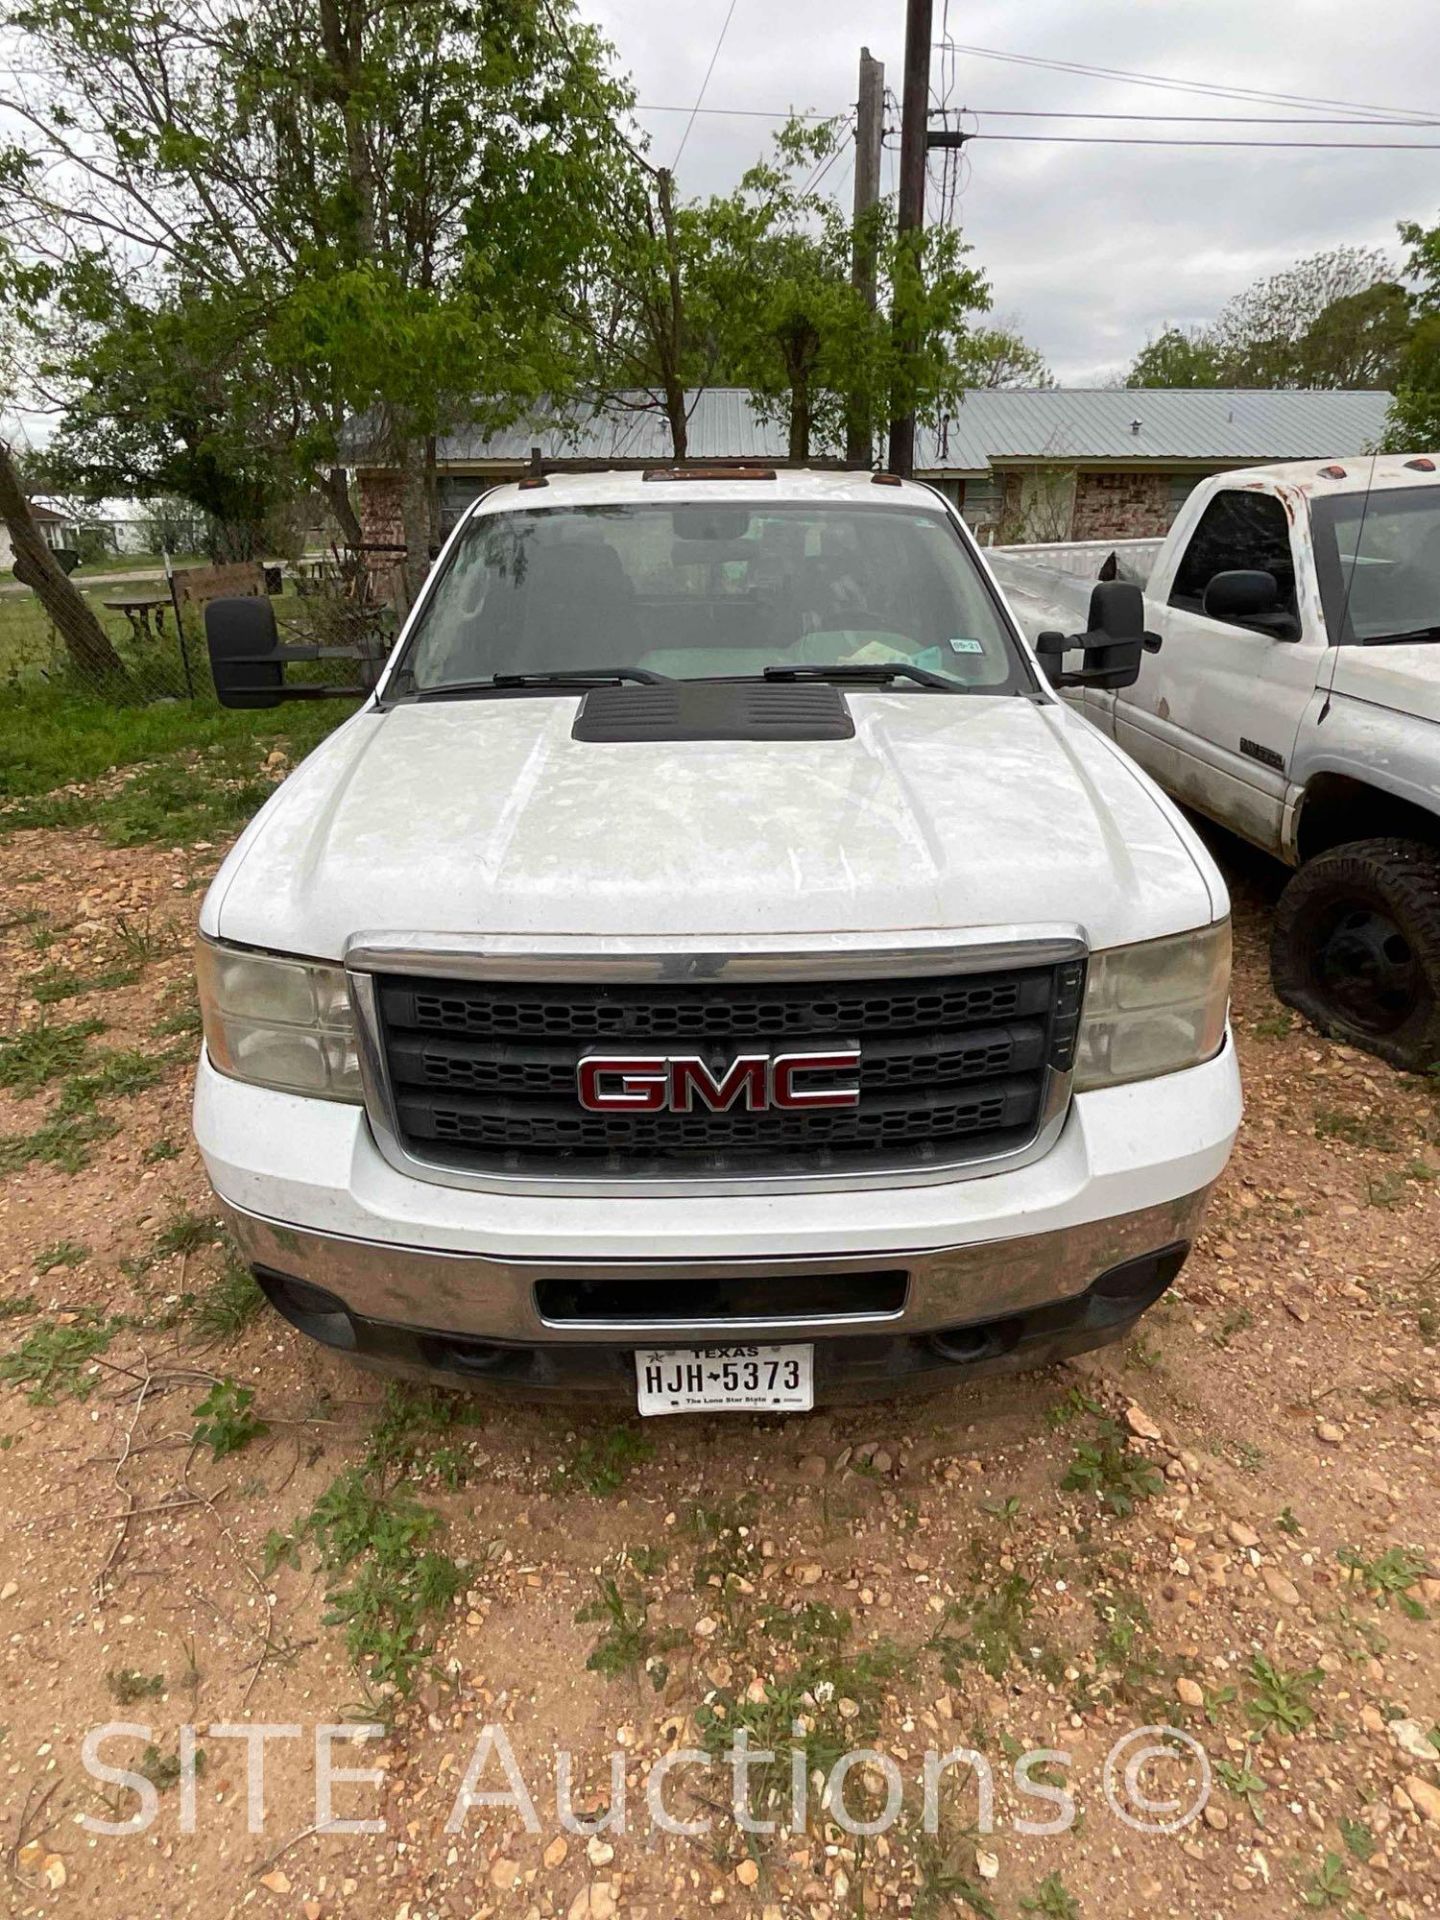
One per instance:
(1092, 248)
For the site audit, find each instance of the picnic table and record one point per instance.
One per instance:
(145, 612)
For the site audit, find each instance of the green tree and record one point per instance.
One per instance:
(1175, 359)
(264, 218)
(1414, 420)
(1335, 319)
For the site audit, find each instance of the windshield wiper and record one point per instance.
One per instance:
(562, 677)
(874, 673)
(1402, 639)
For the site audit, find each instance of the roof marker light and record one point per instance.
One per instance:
(886, 480)
(1424, 464)
(1332, 473)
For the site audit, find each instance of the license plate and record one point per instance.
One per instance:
(744, 1379)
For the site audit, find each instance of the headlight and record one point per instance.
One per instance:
(278, 1023)
(1154, 1008)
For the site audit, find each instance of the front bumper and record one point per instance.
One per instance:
(403, 1262)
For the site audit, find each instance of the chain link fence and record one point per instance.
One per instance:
(156, 627)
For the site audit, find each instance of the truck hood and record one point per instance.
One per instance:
(1404, 679)
(484, 816)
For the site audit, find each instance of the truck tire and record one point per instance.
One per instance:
(1356, 948)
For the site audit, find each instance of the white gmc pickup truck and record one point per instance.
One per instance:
(712, 965)
(1295, 700)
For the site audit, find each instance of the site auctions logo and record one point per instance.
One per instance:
(1140, 1761)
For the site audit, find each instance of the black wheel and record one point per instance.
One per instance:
(1356, 948)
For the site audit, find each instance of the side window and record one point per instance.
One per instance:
(1236, 530)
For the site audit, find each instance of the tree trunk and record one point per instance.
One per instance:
(334, 485)
(85, 640)
(679, 420)
(799, 423)
(672, 352)
(414, 518)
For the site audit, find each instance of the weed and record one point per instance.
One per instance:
(1073, 1406)
(16, 1305)
(627, 1644)
(229, 1304)
(1329, 1885)
(601, 1465)
(1140, 1353)
(647, 1561)
(1274, 1026)
(51, 985)
(1109, 1469)
(989, 1631)
(1238, 1778)
(1006, 1510)
(409, 1416)
(185, 1232)
(63, 1142)
(1389, 1577)
(1238, 1322)
(162, 1770)
(1053, 1899)
(224, 1422)
(942, 1883)
(1282, 1701)
(38, 1054)
(1356, 1130)
(174, 803)
(1287, 1523)
(184, 1023)
(64, 1253)
(140, 941)
(112, 1075)
(54, 1358)
(127, 1686)
(397, 1581)
(159, 1150)
(1357, 1837)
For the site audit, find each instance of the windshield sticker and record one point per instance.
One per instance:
(966, 646)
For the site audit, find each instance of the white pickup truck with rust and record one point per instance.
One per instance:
(1294, 697)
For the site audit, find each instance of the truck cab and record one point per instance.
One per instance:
(1293, 698)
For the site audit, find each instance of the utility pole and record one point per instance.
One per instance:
(869, 135)
(914, 125)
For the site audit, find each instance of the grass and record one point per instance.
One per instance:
(36, 1055)
(64, 1142)
(229, 1305)
(1053, 1899)
(991, 1631)
(52, 1358)
(602, 1465)
(1356, 1130)
(627, 1644)
(185, 1232)
(51, 738)
(64, 1253)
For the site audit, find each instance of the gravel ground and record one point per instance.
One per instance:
(1246, 1548)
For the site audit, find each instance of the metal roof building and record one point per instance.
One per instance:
(1044, 463)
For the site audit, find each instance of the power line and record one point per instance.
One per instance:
(1146, 140)
(742, 113)
(1132, 77)
(730, 15)
(1191, 119)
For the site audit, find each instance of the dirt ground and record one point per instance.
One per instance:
(1247, 1548)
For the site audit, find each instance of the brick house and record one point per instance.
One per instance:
(1054, 463)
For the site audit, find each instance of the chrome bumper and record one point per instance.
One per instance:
(494, 1300)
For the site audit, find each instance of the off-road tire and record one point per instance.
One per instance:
(1332, 958)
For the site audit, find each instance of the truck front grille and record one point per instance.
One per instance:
(483, 1073)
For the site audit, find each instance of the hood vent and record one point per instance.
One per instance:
(713, 710)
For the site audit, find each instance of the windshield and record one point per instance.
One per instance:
(697, 591)
(1385, 554)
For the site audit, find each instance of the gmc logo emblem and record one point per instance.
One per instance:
(679, 1083)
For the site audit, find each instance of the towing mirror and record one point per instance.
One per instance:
(1112, 643)
(1249, 597)
(247, 661)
